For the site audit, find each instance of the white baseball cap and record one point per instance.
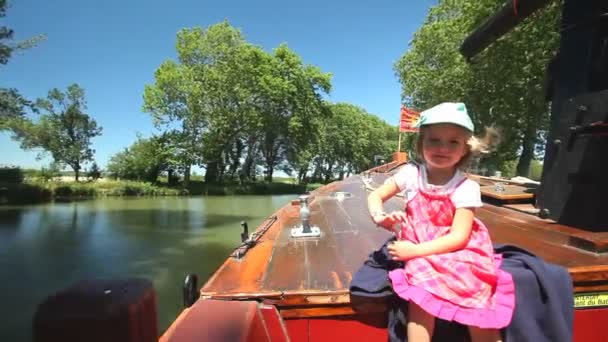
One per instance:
(447, 112)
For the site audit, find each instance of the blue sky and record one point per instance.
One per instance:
(111, 48)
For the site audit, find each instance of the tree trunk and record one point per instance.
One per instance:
(170, 177)
(249, 159)
(186, 176)
(221, 168)
(76, 172)
(269, 172)
(270, 155)
(246, 168)
(235, 157)
(341, 172)
(211, 172)
(316, 176)
(328, 172)
(302, 174)
(528, 143)
(527, 153)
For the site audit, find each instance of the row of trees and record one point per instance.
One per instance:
(504, 86)
(225, 105)
(233, 108)
(236, 110)
(230, 106)
(345, 142)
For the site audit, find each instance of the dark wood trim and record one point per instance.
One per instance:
(499, 24)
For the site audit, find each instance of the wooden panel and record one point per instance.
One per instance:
(354, 233)
(553, 243)
(326, 269)
(301, 274)
(292, 276)
(546, 245)
(527, 208)
(244, 276)
(319, 311)
(508, 192)
(328, 263)
(507, 220)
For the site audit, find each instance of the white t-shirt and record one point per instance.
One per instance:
(466, 195)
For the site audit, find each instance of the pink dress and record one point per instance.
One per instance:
(467, 285)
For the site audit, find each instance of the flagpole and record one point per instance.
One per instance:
(399, 144)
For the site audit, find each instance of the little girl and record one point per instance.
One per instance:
(451, 271)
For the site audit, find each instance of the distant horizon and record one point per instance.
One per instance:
(113, 54)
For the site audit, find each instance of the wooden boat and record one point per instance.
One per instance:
(297, 289)
(289, 289)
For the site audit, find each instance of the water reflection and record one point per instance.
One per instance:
(10, 218)
(46, 248)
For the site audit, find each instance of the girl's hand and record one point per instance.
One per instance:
(388, 221)
(402, 250)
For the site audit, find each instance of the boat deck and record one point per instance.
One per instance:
(311, 276)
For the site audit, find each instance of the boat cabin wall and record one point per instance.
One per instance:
(574, 180)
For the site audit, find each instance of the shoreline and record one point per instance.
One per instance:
(34, 191)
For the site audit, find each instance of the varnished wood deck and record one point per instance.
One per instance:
(504, 189)
(310, 277)
(506, 192)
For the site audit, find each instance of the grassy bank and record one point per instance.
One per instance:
(36, 191)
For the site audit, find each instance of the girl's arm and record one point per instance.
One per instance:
(376, 210)
(456, 239)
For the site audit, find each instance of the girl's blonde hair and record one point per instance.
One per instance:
(476, 145)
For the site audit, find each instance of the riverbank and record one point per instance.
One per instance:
(35, 191)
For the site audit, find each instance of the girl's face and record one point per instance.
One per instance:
(444, 145)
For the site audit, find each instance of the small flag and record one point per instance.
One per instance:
(409, 117)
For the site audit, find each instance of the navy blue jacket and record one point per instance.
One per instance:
(544, 304)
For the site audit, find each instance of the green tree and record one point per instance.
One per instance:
(48, 173)
(501, 87)
(232, 101)
(64, 130)
(349, 140)
(7, 46)
(293, 107)
(144, 160)
(94, 172)
(199, 93)
(5, 35)
(12, 104)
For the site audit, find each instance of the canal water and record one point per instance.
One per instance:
(46, 248)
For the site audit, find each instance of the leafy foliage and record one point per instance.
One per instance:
(349, 139)
(235, 106)
(504, 86)
(144, 161)
(48, 173)
(64, 131)
(11, 174)
(94, 172)
(12, 104)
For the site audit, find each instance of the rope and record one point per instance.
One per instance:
(240, 251)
